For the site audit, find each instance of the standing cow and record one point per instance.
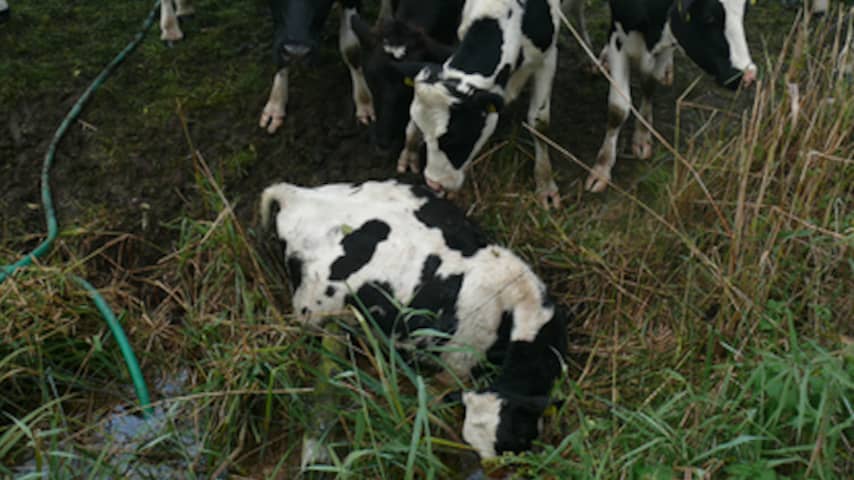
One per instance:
(419, 32)
(297, 26)
(503, 44)
(399, 251)
(644, 34)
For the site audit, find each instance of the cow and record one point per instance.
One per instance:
(397, 251)
(644, 34)
(4, 11)
(419, 32)
(297, 26)
(503, 44)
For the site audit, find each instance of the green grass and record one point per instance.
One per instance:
(714, 330)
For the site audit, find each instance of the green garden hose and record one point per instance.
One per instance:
(53, 225)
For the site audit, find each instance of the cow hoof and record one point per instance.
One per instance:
(408, 161)
(549, 197)
(365, 114)
(170, 31)
(598, 179)
(642, 146)
(313, 453)
(272, 118)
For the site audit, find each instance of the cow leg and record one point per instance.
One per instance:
(642, 138)
(539, 115)
(351, 51)
(323, 413)
(386, 12)
(274, 112)
(574, 11)
(408, 159)
(170, 31)
(185, 8)
(619, 103)
(663, 69)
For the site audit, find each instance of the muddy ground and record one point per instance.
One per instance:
(128, 155)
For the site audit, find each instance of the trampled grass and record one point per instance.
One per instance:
(713, 336)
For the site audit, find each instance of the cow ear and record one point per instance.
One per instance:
(366, 35)
(488, 101)
(453, 397)
(409, 70)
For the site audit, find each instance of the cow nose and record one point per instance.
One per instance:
(436, 187)
(296, 50)
(749, 76)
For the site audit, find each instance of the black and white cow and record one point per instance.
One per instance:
(644, 34)
(503, 44)
(419, 32)
(4, 11)
(297, 27)
(389, 245)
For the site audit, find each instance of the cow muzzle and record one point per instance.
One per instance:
(436, 187)
(294, 52)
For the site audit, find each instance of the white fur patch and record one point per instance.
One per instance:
(739, 53)
(396, 51)
(480, 426)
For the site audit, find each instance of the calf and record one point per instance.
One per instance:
(644, 34)
(419, 32)
(391, 247)
(503, 43)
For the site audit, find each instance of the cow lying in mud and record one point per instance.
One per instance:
(297, 25)
(503, 44)
(384, 241)
(644, 34)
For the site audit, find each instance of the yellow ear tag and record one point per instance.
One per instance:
(491, 108)
(409, 82)
(550, 411)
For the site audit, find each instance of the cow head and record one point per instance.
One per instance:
(455, 121)
(712, 33)
(394, 42)
(496, 423)
(298, 25)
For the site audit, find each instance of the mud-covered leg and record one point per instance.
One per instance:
(408, 159)
(539, 116)
(642, 138)
(274, 112)
(170, 31)
(386, 12)
(350, 50)
(324, 411)
(619, 103)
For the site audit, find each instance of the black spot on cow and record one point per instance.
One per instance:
(465, 125)
(293, 265)
(374, 299)
(480, 50)
(438, 295)
(520, 59)
(359, 247)
(537, 24)
(618, 42)
(498, 350)
(504, 75)
(330, 291)
(458, 231)
(529, 371)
